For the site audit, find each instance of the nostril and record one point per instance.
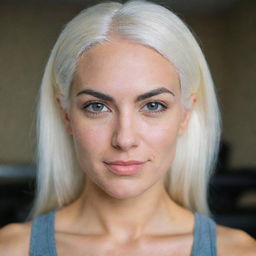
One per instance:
(124, 139)
(125, 131)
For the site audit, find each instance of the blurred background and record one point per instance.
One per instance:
(226, 32)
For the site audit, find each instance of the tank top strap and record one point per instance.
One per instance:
(42, 240)
(204, 236)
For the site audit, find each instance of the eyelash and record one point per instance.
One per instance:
(90, 103)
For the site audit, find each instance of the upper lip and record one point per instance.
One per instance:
(131, 162)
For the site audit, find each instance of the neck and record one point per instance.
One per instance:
(151, 212)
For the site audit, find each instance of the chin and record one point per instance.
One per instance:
(122, 193)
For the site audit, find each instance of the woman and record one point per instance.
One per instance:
(128, 131)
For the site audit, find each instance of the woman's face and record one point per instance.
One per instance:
(125, 105)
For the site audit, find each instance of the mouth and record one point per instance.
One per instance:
(124, 167)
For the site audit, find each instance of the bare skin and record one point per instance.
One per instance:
(125, 214)
(14, 240)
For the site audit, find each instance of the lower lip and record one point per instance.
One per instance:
(125, 169)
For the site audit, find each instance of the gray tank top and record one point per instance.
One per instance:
(42, 240)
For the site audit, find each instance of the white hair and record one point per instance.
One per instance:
(60, 179)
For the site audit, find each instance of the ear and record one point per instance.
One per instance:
(187, 114)
(64, 114)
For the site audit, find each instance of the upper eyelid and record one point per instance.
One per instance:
(146, 101)
(87, 104)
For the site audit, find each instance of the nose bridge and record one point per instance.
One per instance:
(125, 131)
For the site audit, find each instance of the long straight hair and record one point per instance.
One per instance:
(59, 177)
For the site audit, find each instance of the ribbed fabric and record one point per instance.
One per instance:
(204, 236)
(42, 241)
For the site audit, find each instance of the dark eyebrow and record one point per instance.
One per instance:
(153, 93)
(96, 94)
(143, 96)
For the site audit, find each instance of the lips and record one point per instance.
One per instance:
(124, 167)
(131, 162)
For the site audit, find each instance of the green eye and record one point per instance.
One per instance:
(95, 107)
(154, 107)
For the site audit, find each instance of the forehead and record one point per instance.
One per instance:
(122, 66)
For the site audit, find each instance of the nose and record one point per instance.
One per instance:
(125, 133)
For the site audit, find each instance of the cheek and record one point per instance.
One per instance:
(164, 143)
(164, 132)
(89, 139)
(162, 140)
(163, 135)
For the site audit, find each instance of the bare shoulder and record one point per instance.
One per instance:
(14, 239)
(234, 242)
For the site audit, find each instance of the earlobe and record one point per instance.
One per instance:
(64, 114)
(187, 115)
(184, 121)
